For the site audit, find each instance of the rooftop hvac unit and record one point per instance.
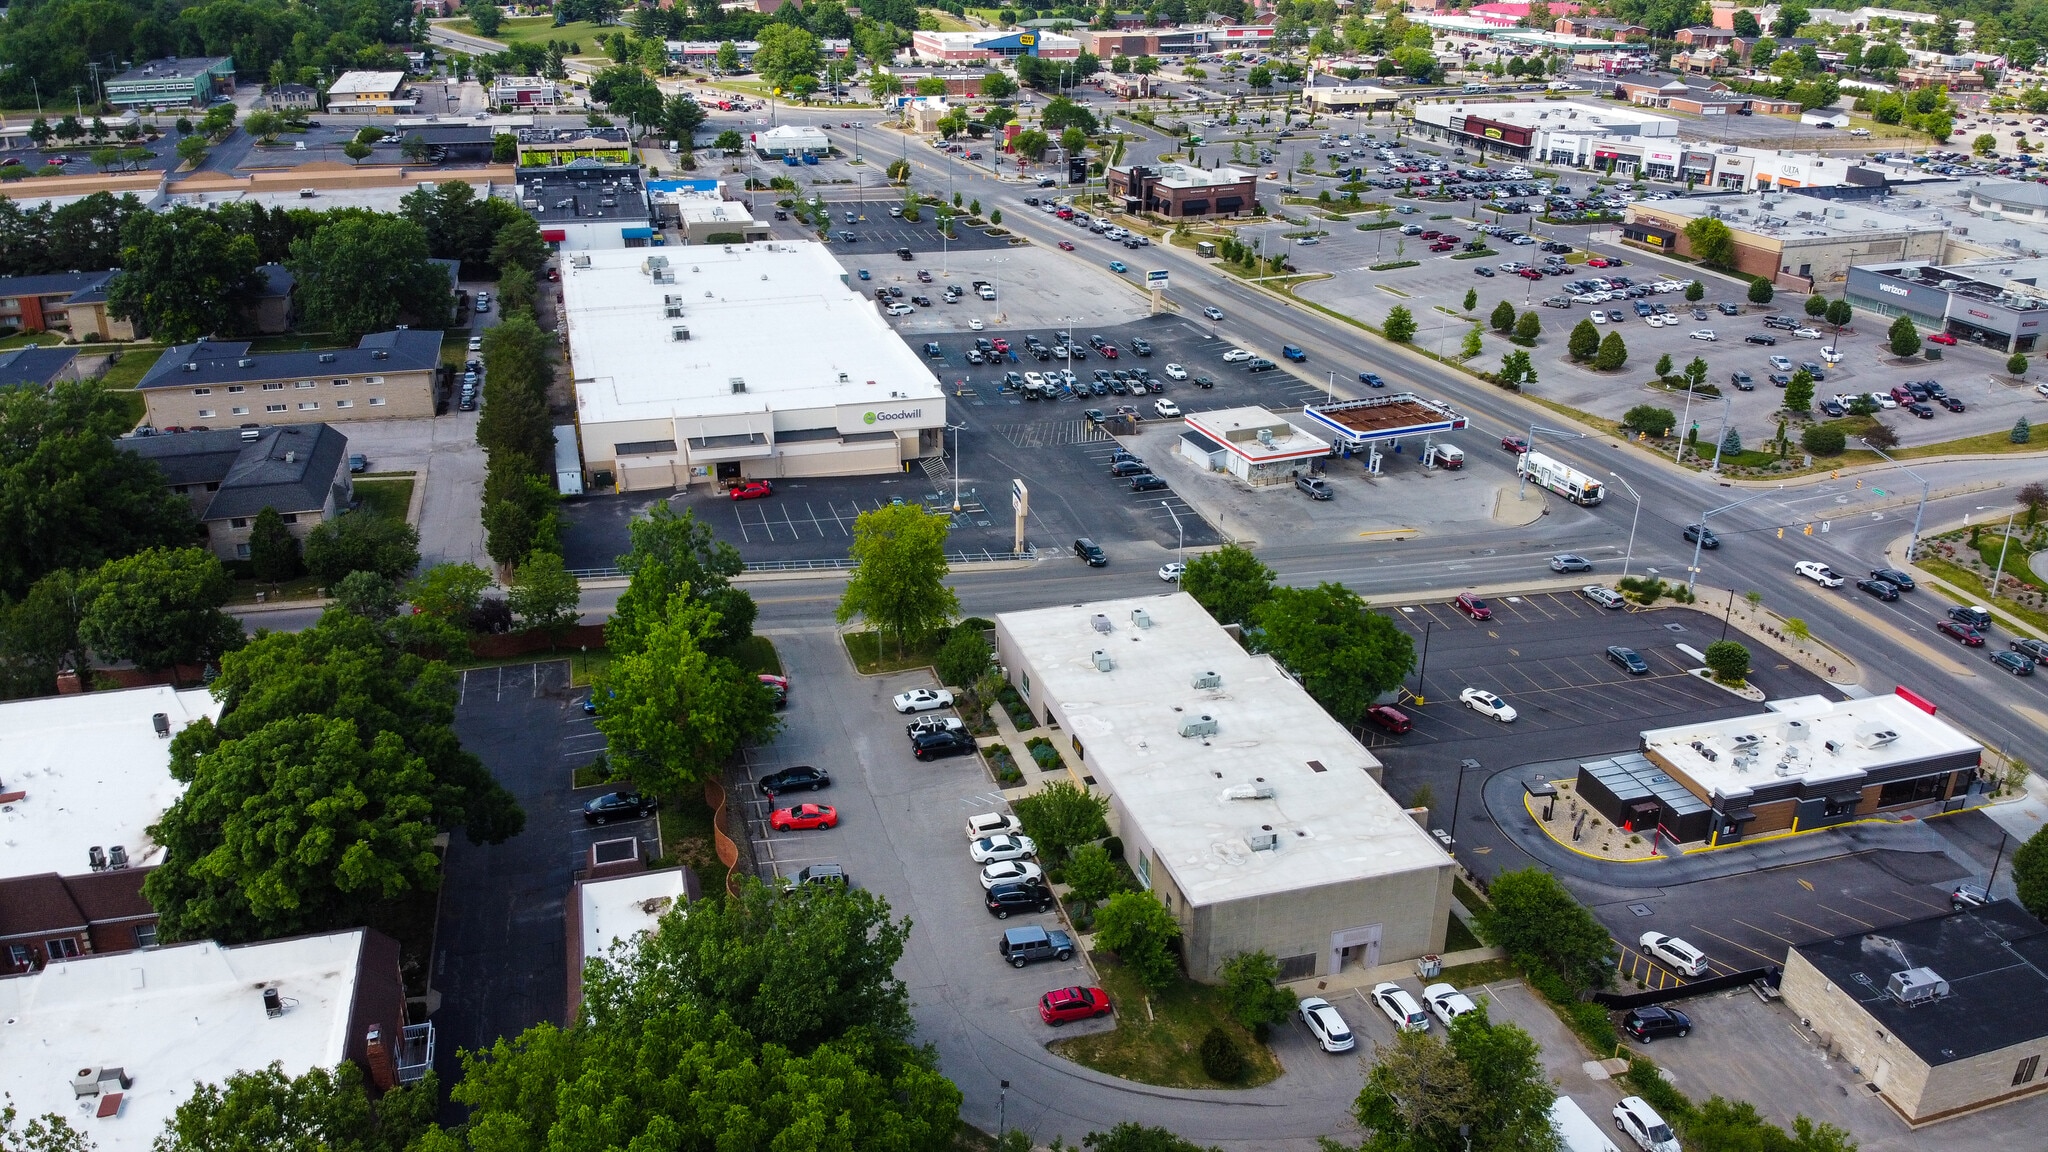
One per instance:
(1250, 792)
(1102, 661)
(1266, 437)
(1203, 725)
(1208, 680)
(161, 721)
(1876, 737)
(117, 857)
(245, 362)
(96, 858)
(1744, 739)
(1838, 213)
(1265, 840)
(327, 357)
(739, 385)
(1141, 618)
(1706, 753)
(1099, 621)
(679, 333)
(380, 354)
(1796, 731)
(1916, 986)
(190, 366)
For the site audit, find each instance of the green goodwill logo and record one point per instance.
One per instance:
(886, 417)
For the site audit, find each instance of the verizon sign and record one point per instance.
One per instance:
(1893, 289)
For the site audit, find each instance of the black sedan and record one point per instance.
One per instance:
(1893, 577)
(938, 745)
(619, 806)
(1760, 338)
(1629, 659)
(1483, 270)
(1882, 589)
(802, 778)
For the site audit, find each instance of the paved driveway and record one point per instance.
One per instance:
(902, 835)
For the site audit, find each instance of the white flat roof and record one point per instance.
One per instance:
(776, 315)
(169, 1017)
(1558, 116)
(1237, 429)
(93, 771)
(621, 908)
(1333, 821)
(1808, 738)
(711, 210)
(365, 83)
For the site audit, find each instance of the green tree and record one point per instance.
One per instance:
(1612, 355)
(1823, 440)
(192, 150)
(515, 290)
(355, 150)
(1133, 1137)
(1729, 660)
(366, 594)
(1473, 344)
(786, 53)
(1400, 325)
(1091, 876)
(448, 592)
(504, 148)
(1511, 1093)
(728, 56)
(1696, 291)
(681, 116)
(1650, 419)
(965, 656)
(1817, 306)
(1584, 342)
(1528, 327)
(898, 581)
(361, 273)
(1984, 145)
(544, 595)
(184, 275)
(1537, 923)
(2030, 873)
(1712, 241)
(362, 541)
(334, 1110)
(673, 710)
(998, 86)
(1229, 583)
(1260, 77)
(1731, 442)
(484, 16)
(1695, 374)
(1140, 930)
(1416, 1092)
(1345, 654)
(2033, 497)
(160, 608)
(39, 636)
(1060, 816)
(1799, 394)
(1471, 299)
(2016, 364)
(1663, 368)
(797, 969)
(730, 142)
(1250, 987)
(676, 554)
(1760, 291)
(1839, 313)
(1030, 142)
(273, 550)
(2022, 431)
(1502, 318)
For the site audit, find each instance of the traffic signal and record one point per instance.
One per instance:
(1781, 533)
(1809, 529)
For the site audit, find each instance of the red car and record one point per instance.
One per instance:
(1970, 637)
(1530, 274)
(1440, 246)
(1599, 262)
(753, 490)
(1392, 719)
(1063, 1004)
(804, 816)
(1514, 444)
(1066, 246)
(1942, 338)
(1109, 351)
(1431, 234)
(1000, 344)
(1472, 606)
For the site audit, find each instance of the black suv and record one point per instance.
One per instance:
(618, 806)
(941, 744)
(1141, 347)
(1649, 1022)
(1006, 899)
(1092, 552)
(1127, 467)
(802, 778)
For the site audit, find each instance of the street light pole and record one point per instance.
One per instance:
(1179, 553)
(956, 429)
(1630, 557)
(1693, 572)
(1913, 547)
(1998, 577)
(1522, 477)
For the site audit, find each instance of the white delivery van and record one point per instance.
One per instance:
(1449, 456)
(1576, 1131)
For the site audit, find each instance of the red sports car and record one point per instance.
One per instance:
(1942, 338)
(804, 816)
(1066, 246)
(753, 490)
(1599, 262)
(1472, 606)
(1063, 1004)
(1000, 344)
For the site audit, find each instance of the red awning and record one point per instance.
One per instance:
(553, 235)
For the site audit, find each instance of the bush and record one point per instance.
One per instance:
(1400, 326)
(1823, 440)
(1222, 1058)
(2015, 365)
(1612, 355)
(1760, 291)
(1503, 317)
(1695, 292)
(2022, 431)
(1729, 660)
(1649, 418)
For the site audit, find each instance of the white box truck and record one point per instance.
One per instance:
(1576, 1131)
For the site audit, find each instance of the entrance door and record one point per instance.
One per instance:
(1355, 947)
(728, 470)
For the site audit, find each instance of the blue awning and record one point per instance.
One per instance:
(637, 233)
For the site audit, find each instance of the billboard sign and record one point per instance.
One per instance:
(1156, 279)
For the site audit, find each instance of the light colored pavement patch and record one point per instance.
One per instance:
(447, 464)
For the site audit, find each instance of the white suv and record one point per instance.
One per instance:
(1642, 1124)
(1400, 1007)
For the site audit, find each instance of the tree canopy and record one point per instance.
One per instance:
(1230, 583)
(671, 709)
(184, 275)
(364, 273)
(159, 608)
(675, 553)
(1537, 923)
(318, 793)
(1345, 654)
(362, 541)
(1482, 1086)
(898, 583)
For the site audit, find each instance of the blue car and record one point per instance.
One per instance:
(1118, 266)
(863, 274)
(1372, 378)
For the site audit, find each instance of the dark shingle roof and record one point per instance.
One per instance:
(231, 362)
(277, 281)
(290, 468)
(37, 904)
(115, 894)
(37, 366)
(57, 283)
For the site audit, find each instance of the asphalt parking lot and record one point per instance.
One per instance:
(1545, 654)
(877, 233)
(500, 955)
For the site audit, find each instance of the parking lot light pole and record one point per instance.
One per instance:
(956, 429)
(1629, 558)
(1180, 552)
(1716, 469)
(1913, 546)
(1692, 573)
